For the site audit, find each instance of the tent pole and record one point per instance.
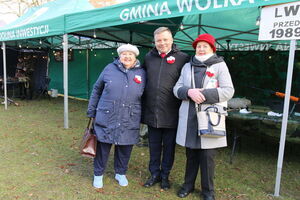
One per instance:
(66, 112)
(48, 61)
(4, 74)
(199, 22)
(285, 115)
(87, 74)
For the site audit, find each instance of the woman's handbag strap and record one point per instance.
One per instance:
(210, 121)
(193, 86)
(90, 123)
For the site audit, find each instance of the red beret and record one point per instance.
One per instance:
(206, 38)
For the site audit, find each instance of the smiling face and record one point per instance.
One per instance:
(128, 59)
(203, 48)
(163, 41)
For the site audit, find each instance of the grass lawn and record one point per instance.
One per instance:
(39, 159)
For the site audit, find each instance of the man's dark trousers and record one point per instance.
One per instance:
(162, 150)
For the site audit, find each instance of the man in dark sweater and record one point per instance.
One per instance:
(163, 65)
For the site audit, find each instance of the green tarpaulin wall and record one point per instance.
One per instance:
(82, 73)
(266, 70)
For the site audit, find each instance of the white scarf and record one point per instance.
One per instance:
(204, 57)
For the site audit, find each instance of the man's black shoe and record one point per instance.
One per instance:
(182, 193)
(165, 184)
(152, 180)
(208, 197)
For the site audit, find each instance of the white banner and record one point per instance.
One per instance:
(280, 22)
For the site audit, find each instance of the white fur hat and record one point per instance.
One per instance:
(128, 47)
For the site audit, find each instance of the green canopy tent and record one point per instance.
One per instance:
(134, 22)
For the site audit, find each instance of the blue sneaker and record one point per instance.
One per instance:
(121, 179)
(98, 181)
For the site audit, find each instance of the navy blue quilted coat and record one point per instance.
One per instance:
(115, 103)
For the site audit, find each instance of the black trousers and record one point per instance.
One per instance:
(203, 159)
(162, 150)
(22, 90)
(121, 158)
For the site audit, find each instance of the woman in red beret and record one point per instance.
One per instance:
(213, 86)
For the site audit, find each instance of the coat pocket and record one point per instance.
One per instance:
(135, 117)
(105, 111)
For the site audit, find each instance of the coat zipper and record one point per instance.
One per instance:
(157, 92)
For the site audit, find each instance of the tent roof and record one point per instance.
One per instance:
(135, 20)
(218, 18)
(42, 21)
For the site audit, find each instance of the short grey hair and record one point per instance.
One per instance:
(162, 29)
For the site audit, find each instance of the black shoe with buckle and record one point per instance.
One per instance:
(183, 192)
(152, 180)
(165, 183)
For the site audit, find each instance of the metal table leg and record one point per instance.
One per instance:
(235, 139)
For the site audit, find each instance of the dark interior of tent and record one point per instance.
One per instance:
(36, 64)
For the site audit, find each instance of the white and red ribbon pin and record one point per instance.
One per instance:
(137, 79)
(170, 59)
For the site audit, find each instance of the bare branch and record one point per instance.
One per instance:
(19, 7)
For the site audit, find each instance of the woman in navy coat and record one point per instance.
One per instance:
(115, 103)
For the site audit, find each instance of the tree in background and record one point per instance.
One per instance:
(12, 9)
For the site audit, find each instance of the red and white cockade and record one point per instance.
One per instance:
(170, 59)
(137, 79)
